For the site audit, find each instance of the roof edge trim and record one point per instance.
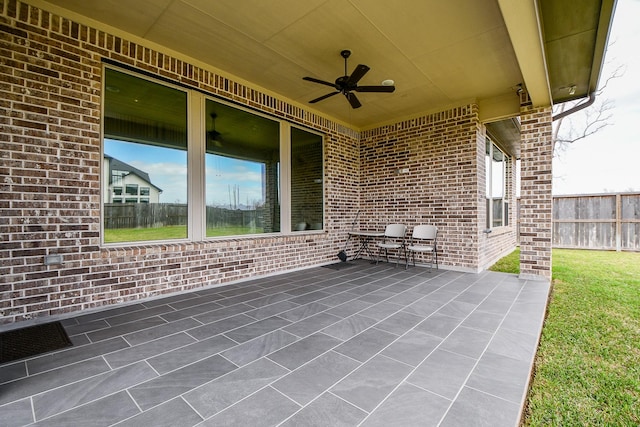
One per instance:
(522, 20)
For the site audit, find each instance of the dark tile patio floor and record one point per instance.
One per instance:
(363, 345)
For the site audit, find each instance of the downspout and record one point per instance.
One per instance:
(590, 101)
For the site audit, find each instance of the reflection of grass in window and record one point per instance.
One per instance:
(118, 235)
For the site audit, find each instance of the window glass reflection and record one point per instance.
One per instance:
(242, 177)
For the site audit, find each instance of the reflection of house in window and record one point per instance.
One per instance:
(124, 179)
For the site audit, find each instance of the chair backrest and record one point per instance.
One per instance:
(427, 232)
(395, 230)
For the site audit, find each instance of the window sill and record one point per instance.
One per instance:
(497, 231)
(177, 242)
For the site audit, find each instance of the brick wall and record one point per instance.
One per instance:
(50, 153)
(536, 200)
(50, 85)
(426, 171)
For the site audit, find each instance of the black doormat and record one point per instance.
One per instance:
(338, 265)
(32, 340)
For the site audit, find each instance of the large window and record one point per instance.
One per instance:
(306, 180)
(496, 163)
(145, 146)
(181, 165)
(242, 171)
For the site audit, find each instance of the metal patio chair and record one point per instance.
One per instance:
(423, 240)
(394, 239)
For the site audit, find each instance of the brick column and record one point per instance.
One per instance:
(536, 200)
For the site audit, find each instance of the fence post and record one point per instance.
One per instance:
(618, 222)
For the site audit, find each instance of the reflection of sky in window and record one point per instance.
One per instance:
(227, 177)
(167, 169)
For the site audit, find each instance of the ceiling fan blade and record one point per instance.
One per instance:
(313, 101)
(353, 100)
(322, 82)
(357, 74)
(387, 89)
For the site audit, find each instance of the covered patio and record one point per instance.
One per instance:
(357, 345)
(183, 87)
(221, 310)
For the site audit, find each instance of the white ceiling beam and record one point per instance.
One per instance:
(499, 107)
(523, 24)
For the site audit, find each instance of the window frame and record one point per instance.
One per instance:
(196, 153)
(491, 144)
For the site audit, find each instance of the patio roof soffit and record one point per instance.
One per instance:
(523, 24)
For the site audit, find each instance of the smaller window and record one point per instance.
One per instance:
(131, 200)
(144, 200)
(496, 164)
(117, 191)
(144, 191)
(117, 200)
(131, 189)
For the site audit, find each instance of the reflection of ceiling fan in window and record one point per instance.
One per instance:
(213, 136)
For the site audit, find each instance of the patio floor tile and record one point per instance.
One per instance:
(366, 344)
(300, 352)
(175, 412)
(267, 407)
(104, 412)
(443, 373)
(412, 348)
(166, 387)
(476, 409)
(409, 406)
(372, 382)
(327, 410)
(311, 380)
(369, 345)
(219, 394)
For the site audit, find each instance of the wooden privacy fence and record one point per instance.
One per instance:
(144, 215)
(598, 221)
(148, 215)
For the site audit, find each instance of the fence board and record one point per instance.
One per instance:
(598, 221)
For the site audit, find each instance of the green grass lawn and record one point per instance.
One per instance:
(169, 232)
(587, 369)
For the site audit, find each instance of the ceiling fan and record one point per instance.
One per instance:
(348, 84)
